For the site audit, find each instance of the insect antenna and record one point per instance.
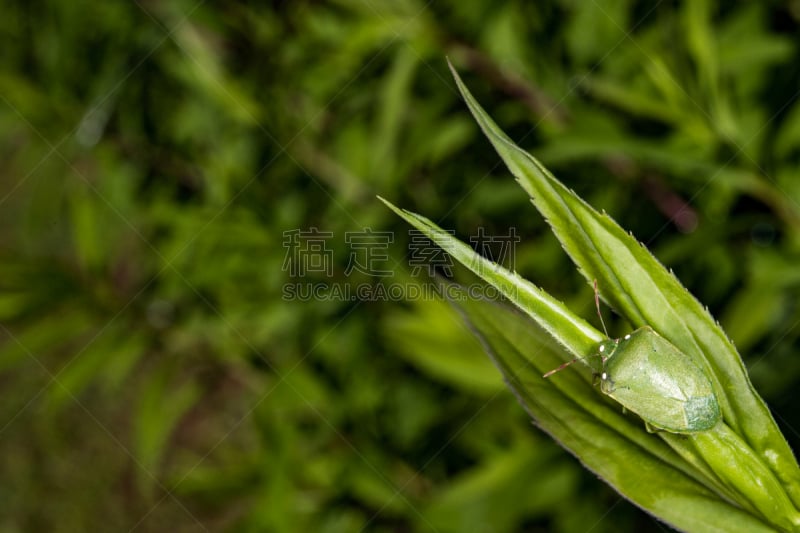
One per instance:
(597, 304)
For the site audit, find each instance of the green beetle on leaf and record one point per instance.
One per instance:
(648, 375)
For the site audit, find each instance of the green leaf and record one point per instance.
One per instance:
(633, 282)
(431, 337)
(162, 405)
(93, 361)
(569, 330)
(499, 491)
(613, 451)
(743, 461)
(574, 333)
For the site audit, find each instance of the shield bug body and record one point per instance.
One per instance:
(650, 376)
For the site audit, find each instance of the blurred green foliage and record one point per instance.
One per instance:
(156, 153)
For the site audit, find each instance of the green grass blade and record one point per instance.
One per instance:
(674, 450)
(573, 332)
(639, 470)
(642, 290)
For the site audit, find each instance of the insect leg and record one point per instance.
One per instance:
(562, 367)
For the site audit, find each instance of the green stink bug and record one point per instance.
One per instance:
(648, 375)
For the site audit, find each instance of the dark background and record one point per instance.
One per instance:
(155, 156)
